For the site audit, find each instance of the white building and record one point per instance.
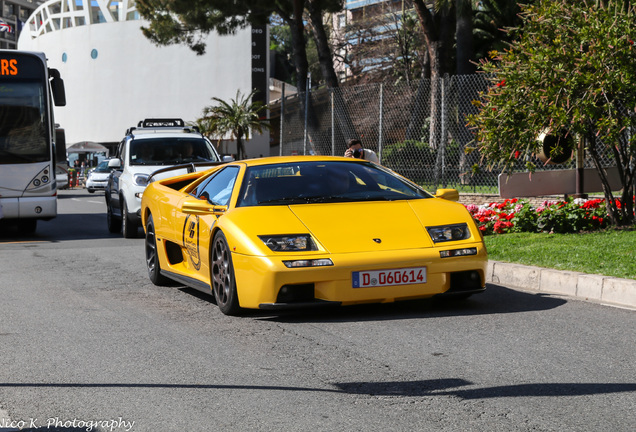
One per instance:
(114, 76)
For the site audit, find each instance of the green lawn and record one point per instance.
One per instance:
(610, 253)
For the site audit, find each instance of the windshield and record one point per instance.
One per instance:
(171, 151)
(23, 124)
(103, 167)
(321, 182)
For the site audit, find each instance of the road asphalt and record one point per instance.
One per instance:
(589, 287)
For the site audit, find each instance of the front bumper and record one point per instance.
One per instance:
(265, 282)
(29, 207)
(96, 184)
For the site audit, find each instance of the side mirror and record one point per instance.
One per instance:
(57, 88)
(114, 163)
(228, 158)
(448, 194)
(201, 207)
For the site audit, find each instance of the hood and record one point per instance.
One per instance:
(364, 227)
(99, 175)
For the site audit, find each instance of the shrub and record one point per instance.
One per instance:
(565, 216)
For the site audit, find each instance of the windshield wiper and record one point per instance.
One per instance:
(286, 200)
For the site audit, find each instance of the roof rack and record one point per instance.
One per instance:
(161, 122)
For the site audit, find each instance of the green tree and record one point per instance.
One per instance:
(188, 22)
(491, 19)
(571, 68)
(237, 118)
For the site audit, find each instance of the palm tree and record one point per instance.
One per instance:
(237, 117)
(491, 20)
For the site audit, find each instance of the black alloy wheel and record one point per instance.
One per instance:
(128, 228)
(222, 275)
(152, 259)
(114, 224)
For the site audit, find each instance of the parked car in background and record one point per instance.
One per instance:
(61, 177)
(97, 178)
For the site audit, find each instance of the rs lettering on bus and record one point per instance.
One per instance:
(8, 67)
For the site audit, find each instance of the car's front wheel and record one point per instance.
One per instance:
(222, 275)
(152, 259)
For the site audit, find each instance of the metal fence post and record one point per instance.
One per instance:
(282, 120)
(333, 125)
(306, 112)
(444, 139)
(380, 125)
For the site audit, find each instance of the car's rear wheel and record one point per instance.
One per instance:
(128, 227)
(222, 275)
(114, 224)
(152, 259)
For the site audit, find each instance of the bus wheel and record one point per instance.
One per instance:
(27, 226)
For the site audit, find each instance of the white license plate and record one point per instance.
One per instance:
(379, 278)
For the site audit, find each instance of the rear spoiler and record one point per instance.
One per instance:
(190, 167)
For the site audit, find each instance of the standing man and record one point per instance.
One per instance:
(355, 150)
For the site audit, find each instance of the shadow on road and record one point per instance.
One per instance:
(88, 226)
(434, 387)
(495, 300)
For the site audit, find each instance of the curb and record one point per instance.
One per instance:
(589, 287)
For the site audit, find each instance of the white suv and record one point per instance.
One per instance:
(152, 145)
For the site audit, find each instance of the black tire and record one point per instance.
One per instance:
(128, 228)
(27, 226)
(152, 259)
(222, 276)
(91, 190)
(114, 223)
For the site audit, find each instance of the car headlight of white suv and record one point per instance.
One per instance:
(141, 179)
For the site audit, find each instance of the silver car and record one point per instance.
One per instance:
(98, 178)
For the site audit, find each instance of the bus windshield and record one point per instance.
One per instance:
(23, 128)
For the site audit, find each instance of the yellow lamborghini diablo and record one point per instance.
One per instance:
(292, 232)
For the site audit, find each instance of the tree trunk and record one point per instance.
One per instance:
(464, 37)
(622, 215)
(322, 45)
(297, 30)
(437, 34)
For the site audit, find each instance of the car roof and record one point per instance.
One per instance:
(294, 159)
(164, 134)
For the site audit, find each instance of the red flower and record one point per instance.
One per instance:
(517, 154)
(501, 83)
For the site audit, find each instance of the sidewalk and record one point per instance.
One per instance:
(596, 288)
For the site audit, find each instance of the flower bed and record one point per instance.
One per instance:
(563, 216)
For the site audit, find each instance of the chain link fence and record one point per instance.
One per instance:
(418, 131)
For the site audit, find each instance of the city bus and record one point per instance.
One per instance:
(28, 90)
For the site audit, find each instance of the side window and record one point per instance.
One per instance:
(122, 153)
(120, 149)
(218, 189)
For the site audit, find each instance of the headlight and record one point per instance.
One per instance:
(141, 179)
(446, 233)
(323, 262)
(289, 243)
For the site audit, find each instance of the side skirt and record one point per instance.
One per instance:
(191, 282)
